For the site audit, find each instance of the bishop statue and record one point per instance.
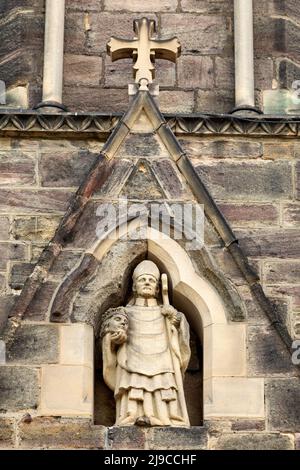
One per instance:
(145, 347)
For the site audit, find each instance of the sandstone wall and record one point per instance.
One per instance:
(201, 81)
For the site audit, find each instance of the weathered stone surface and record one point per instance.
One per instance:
(273, 243)
(24, 228)
(2, 283)
(202, 6)
(225, 78)
(90, 33)
(298, 180)
(16, 168)
(232, 180)
(178, 438)
(11, 251)
(6, 432)
(38, 307)
(119, 74)
(208, 35)
(95, 99)
(82, 70)
(33, 201)
(248, 425)
(19, 388)
(267, 355)
(195, 72)
(280, 272)
(112, 186)
(254, 441)
(6, 304)
(142, 145)
(129, 438)
(176, 101)
(35, 344)
(291, 215)
(221, 148)
(65, 261)
(291, 293)
(135, 5)
(250, 214)
(65, 169)
(19, 273)
(170, 179)
(57, 433)
(87, 5)
(297, 438)
(216, 101)
(278, 150)
(4, 228)
(142, 183)
(283, 404)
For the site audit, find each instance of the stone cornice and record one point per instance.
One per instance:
(101, 124)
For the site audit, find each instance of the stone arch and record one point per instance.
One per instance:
(227, 389)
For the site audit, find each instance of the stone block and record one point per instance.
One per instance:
(76, 344)
(278, 150)
(225, 397)
(281, 272)
(19, 388)
(195, 72)
(135, 5)
(45, 229)
(24, 228)
(217, 101)
(6, 305)
(224, 341)
(202, 6)
(86, 6)
(17, 168)
(95, 99)
(267, 355)
(254, 441)
(221, 148)
(19, 274)
(4, 228)
(291, 215)
(82, 70)
(251, 214)
(274, 243)
(176, 101)
(170, 179)
(65, 168)
(273, 180)
(35, 344)
(65, 262)
(194, 438)
(225, 78)
(126, 438)
(56, 433)
(66, 391)
(210, 34)
(33, 201)
(297, 168)
(7, 432)
(283, 404)
(10, 252)
(2, 283)
(248, 425)
(142, 145)
(297, 437)
(39, 305)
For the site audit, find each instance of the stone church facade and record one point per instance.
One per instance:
(178, 145)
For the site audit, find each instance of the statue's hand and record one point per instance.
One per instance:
(118, 337)
(172, 315)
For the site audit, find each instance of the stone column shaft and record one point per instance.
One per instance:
(244, 53)
(54, 51)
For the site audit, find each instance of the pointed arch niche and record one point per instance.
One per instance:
(227, 390)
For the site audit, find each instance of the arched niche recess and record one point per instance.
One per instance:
(227, 391)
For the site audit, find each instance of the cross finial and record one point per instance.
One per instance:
(144, 49)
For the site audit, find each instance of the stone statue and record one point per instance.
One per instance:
(145, 349)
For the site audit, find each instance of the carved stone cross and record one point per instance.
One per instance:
(144, 49)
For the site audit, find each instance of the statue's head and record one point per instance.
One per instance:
(113, 320)
(146, 278)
